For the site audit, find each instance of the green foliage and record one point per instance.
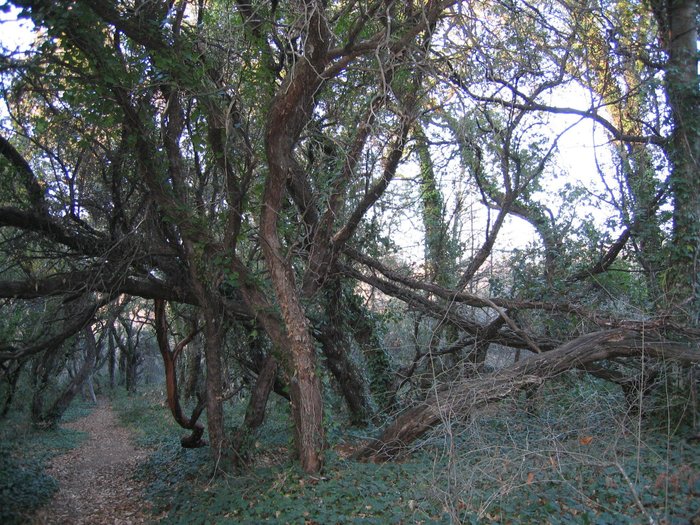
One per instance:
(344, 492)
(575, 459)
(23, 486)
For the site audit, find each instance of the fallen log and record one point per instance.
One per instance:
(463, 397)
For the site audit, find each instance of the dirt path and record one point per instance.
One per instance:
(95, 479)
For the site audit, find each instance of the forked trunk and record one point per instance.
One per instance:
(194, 440)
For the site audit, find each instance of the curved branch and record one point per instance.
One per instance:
(43, 224)
(169, 361)
(76, 323)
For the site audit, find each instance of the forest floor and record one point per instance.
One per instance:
(96, 484)
(571, 456)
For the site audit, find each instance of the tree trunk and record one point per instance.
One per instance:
(346, 373)
(381, 376)
(335, 345)
(255, 413)
(214, 386)
(53, 415)
(194, 372)
(129, 356)
(89, 390)
(439, 248)
(48, 418)
(169, 361)
(464, 397)
(132, 358)
(41, 373)
(677, 20)
(11, 378)
(305, 386)
(111, 356)
(291, 110)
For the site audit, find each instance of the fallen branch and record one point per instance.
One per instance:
(464, 397)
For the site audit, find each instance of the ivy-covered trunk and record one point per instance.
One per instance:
(677, 20)
(352, 384)
(255, 413)
(336, 349)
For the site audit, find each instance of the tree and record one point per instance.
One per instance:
(677, 24)
(230, 159)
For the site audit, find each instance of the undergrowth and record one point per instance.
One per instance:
(181, 484)
(574, 456)
(24, 454)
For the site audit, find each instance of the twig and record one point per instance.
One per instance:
(637, 501)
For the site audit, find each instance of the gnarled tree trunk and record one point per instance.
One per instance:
(290, 112)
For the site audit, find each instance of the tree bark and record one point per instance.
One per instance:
(290, 111)
(111, 356)
(10, 378)
(381, 375)
(214, 386)
(194, 372)
(131, 362)
(41, 373)
(335, 346)
(677, 21)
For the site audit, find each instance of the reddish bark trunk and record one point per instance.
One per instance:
(169, 361)
(288, 115)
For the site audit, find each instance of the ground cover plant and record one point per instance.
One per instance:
(273, 489)
(24, 454)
